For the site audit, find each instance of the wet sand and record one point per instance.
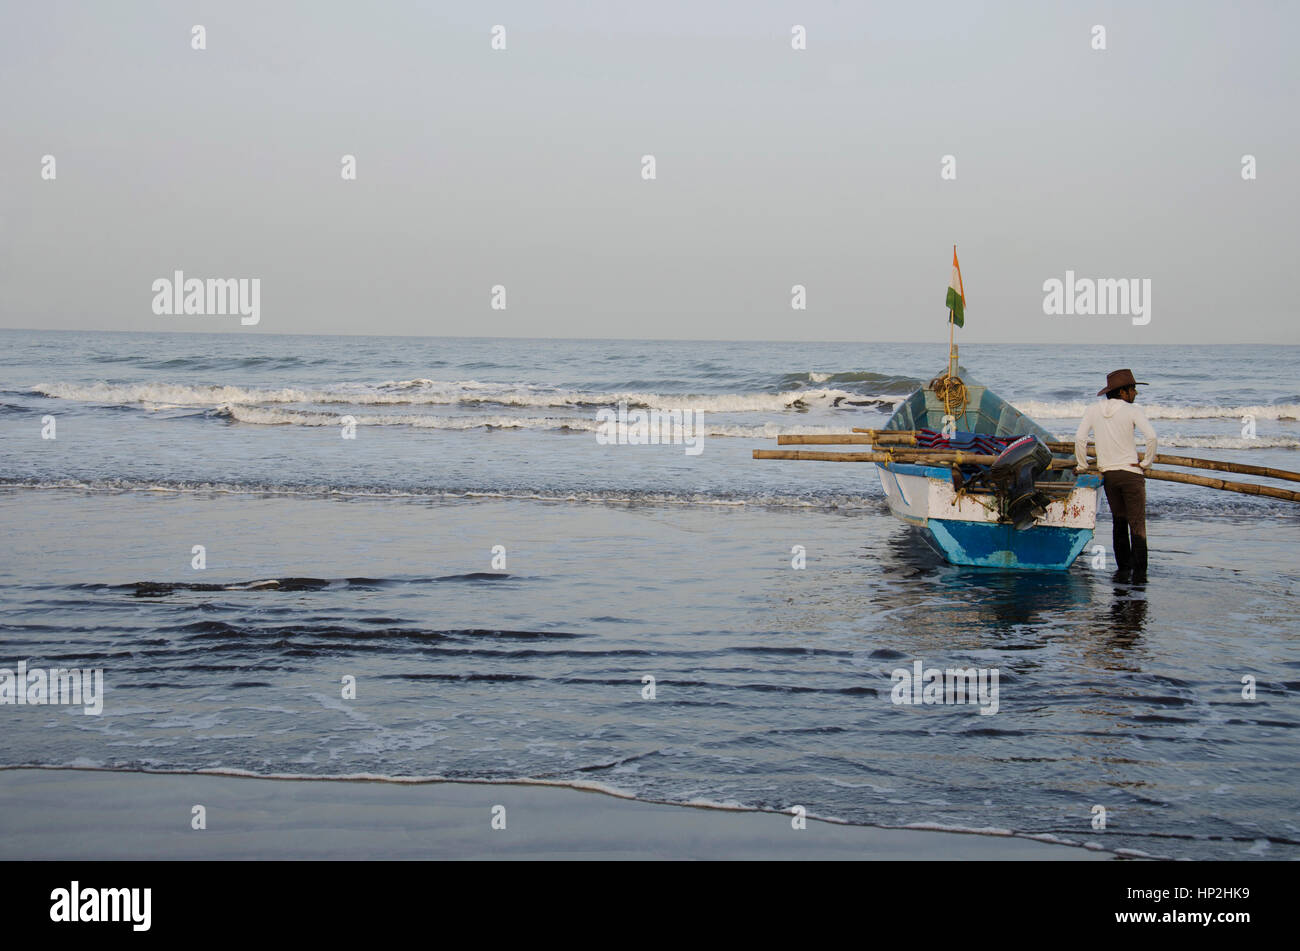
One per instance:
(99, 815)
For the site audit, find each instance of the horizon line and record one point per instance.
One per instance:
(322, 333)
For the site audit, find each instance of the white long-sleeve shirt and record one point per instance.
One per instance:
(1114, 422)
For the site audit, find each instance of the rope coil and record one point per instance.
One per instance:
(951, 391)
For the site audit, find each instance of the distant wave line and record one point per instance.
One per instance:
(433, 393)
(422, 392)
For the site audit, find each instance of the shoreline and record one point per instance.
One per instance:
(95, 814)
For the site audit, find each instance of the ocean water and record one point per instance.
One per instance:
(373, 558)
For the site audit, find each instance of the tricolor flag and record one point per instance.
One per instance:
(956, 293)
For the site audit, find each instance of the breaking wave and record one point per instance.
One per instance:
(422, 392)
(883, 383)
(810, 390)
(272, 416)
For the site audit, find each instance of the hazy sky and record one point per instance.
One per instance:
(522, 167)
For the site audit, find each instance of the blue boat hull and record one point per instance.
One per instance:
(999, 545)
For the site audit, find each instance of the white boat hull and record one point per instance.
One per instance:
(965, 527)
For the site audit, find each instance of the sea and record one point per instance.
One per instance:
(405, 558)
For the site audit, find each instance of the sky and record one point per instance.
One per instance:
(774, 167)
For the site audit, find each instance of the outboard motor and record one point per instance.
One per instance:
(1013, 475)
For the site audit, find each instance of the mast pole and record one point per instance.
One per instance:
(952, 346)
(952, 329)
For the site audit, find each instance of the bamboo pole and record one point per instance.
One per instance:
(797, 454)
(812, 456)
(886, 432)
(938, 457)
(820, 440)
(1189, 462)
(966, 458)
(1240, 468)
(895, 439)
(1246, 488)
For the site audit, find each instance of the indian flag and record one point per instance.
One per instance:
(956, 293)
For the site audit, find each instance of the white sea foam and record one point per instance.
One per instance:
(167, 394)
(1074, 409)
(434, 393)
(273, 416)
(520, 395)
(949, 827)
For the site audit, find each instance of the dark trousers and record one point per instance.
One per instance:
(1126, 492)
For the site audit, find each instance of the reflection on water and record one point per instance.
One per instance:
(982, 599)
(1114, 636)
(1128, 617)
(1023, 610)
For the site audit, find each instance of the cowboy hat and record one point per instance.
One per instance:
(1118, 380)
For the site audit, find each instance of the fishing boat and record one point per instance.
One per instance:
(983, 483)
(1017, 510)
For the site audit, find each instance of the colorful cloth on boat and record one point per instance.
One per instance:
(963, 442)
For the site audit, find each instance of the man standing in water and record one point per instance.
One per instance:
(1114, 422)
